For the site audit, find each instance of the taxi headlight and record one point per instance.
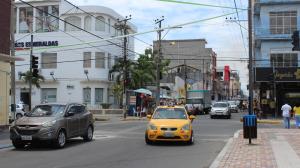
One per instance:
(186, 127)
(49, 124)
(152, 127)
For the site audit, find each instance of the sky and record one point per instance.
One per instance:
(223, 35)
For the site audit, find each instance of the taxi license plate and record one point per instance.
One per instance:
(26, 138)
(168, 134)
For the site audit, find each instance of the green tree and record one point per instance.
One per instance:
(35, 80)
(117, 90)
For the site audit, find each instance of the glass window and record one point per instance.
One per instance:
(47, 110)
(87, 95)
(25, 20)
(98, 95)
(100, 23)
(109, 61)
(88, 23)
(170, 113)
(87, 60)
(284, 60)
(49, 60)
(100, 60)
(48, 95)
(283, 22)
(46, 22)
(73, 20)
(109, 26)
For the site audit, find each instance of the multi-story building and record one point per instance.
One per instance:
(234, 85)
(4, 62)
(199, 61)
(276, 65)
(74, 54)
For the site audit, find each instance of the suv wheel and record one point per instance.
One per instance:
(18, 144)
(19, 116)
(60, 141)
(88, 136)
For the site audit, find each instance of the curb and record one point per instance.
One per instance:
(6, 146)
(101, 119)
(276, 122)
(133, 119)
(220, 156)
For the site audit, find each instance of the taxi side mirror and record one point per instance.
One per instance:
(149, 116)
(192, 117)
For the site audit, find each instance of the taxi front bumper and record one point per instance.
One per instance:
(179, 135)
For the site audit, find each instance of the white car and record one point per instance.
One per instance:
(220, 109)
(233, 106)
(20, 111)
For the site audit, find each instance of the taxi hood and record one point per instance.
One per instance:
(169, 122)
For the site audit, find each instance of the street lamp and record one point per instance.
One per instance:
(86, 72)
(52, 75)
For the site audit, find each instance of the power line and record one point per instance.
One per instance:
(199, 4)
(75, 26)
(77, 7)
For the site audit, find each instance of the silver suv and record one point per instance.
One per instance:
(220, 109)
(53, 122)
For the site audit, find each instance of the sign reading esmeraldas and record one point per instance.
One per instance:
(36, 44)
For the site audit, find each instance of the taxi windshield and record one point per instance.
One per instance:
(170, 113)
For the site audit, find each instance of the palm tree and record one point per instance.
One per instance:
(117, 90)
(35, 80)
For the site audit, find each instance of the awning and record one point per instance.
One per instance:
(8, 58)
(144, 91)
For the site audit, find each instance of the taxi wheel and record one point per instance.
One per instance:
(147, 140)
(191, 140)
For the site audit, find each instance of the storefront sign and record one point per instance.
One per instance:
(36, 44)
(277, 74)
(132, 100)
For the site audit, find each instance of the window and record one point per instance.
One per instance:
(25, 20)
(87, 95)
(46, 22)
(48, 95)
(283, 22)
(98, 95)
(49, 60)
(109, 26)
(100, 60)
(109, 61)
(88, 23)
(284, 60)
(73, 20)
(87, 60)
(100, 23)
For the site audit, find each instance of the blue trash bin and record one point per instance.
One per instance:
(250, 126)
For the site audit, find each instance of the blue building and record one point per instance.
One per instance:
(277, 72)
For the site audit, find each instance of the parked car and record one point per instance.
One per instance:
(170, 123)
(54, 123)
(20, 111)
(233, 106)
(220, 109)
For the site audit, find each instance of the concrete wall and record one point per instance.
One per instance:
(4, 92)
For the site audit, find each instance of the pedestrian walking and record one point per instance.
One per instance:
(286, 114)
(296, 110)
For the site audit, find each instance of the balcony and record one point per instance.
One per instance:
(265, 34)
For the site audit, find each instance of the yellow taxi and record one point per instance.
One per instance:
(170, 123)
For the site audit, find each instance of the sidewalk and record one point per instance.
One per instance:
(272, 148)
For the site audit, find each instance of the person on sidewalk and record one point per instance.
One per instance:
(296, 110)
(286, 114)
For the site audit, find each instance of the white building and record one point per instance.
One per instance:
(74, 63)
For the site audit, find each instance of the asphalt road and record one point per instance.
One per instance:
(120, 144)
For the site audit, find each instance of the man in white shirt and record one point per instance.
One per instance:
(286, 114)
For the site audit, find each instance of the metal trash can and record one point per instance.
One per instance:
(250, 126)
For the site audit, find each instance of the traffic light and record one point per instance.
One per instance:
(34, 62)
(295, 41)
(35, 73)
(34, 66)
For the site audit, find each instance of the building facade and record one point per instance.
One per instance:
(74, 55)
(276, 65)
(4, 62)
(189, 58)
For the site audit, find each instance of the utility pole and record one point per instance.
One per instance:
(12, 64)
(185, 81)
(122, 25)
(250, 58)
(250, 63)
(203, 80)
(158, 58)
(30, 69)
